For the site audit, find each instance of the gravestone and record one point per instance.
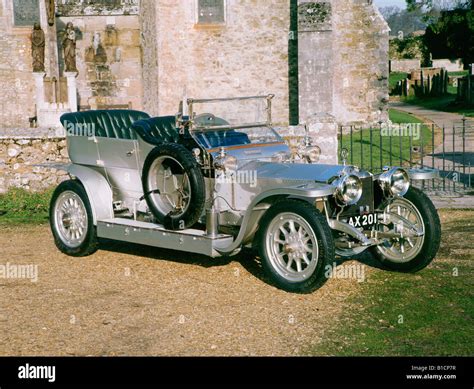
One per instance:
(26, 12)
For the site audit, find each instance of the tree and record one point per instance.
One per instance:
(402, 20)
(452, 35)
(430, 5)
(450, 31)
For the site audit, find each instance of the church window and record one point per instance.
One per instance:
(211, 11)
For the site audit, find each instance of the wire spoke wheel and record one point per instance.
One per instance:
(174, 186)
(292, 246)
(71, 219)
(169, 177)
(405, 248)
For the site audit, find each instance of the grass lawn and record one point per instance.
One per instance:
(21, 207)
(390, 150)
(426, 314)
(459, 74)
(395, 77)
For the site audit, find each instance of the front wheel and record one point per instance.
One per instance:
(71, 220)
(296, 245)
(410, 252)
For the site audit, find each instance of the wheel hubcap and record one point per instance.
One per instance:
(71, 219)
(169, 177)
(292, 247)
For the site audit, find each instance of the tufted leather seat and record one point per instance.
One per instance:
(105, 124)
(157, 131)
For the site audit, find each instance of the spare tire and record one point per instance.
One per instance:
(173, 186)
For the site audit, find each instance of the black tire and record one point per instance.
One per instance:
(89, 243)
(197, 187)
(432, 239)
(323, 235)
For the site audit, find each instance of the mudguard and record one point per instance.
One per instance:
(97, 188)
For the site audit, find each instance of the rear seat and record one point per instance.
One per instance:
(115, 124)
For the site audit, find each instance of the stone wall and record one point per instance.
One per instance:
(247, 55)
(451, 65)
(20, 154)
(149, 44)
(121, 47)
(361, 46)
(404, 65)
(17, 101)
(343, 64)
(316, 58)
(108, 60)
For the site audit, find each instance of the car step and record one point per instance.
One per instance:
(155, 235)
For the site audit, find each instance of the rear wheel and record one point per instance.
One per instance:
(71, 220)
(296, 245)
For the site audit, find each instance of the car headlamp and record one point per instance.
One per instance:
(225, 162)
(395, 182)
(348, 189)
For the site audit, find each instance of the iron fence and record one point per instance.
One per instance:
(418, 145)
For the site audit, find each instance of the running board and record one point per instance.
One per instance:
(155, 235)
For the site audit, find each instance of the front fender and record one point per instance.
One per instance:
(257, 208)
(97, 188)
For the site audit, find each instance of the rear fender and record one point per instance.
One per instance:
(97, 188)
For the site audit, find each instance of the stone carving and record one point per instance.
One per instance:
(314, 16)
(69, 47)
(38, 43)
(97, 7)
(51, 11)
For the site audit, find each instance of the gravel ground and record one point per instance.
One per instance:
(134, 300)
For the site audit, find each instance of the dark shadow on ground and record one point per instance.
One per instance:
(457, 157)
(247, 258)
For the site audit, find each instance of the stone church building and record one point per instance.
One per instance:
(325, 61)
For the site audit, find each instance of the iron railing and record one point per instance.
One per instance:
(448, 149)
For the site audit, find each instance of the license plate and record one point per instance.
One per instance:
(367, 220)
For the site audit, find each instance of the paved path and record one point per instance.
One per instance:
(439, 118)
(461, 202)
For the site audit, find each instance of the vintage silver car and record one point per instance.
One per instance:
(215, 183)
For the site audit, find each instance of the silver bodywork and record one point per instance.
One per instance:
(111, 172)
